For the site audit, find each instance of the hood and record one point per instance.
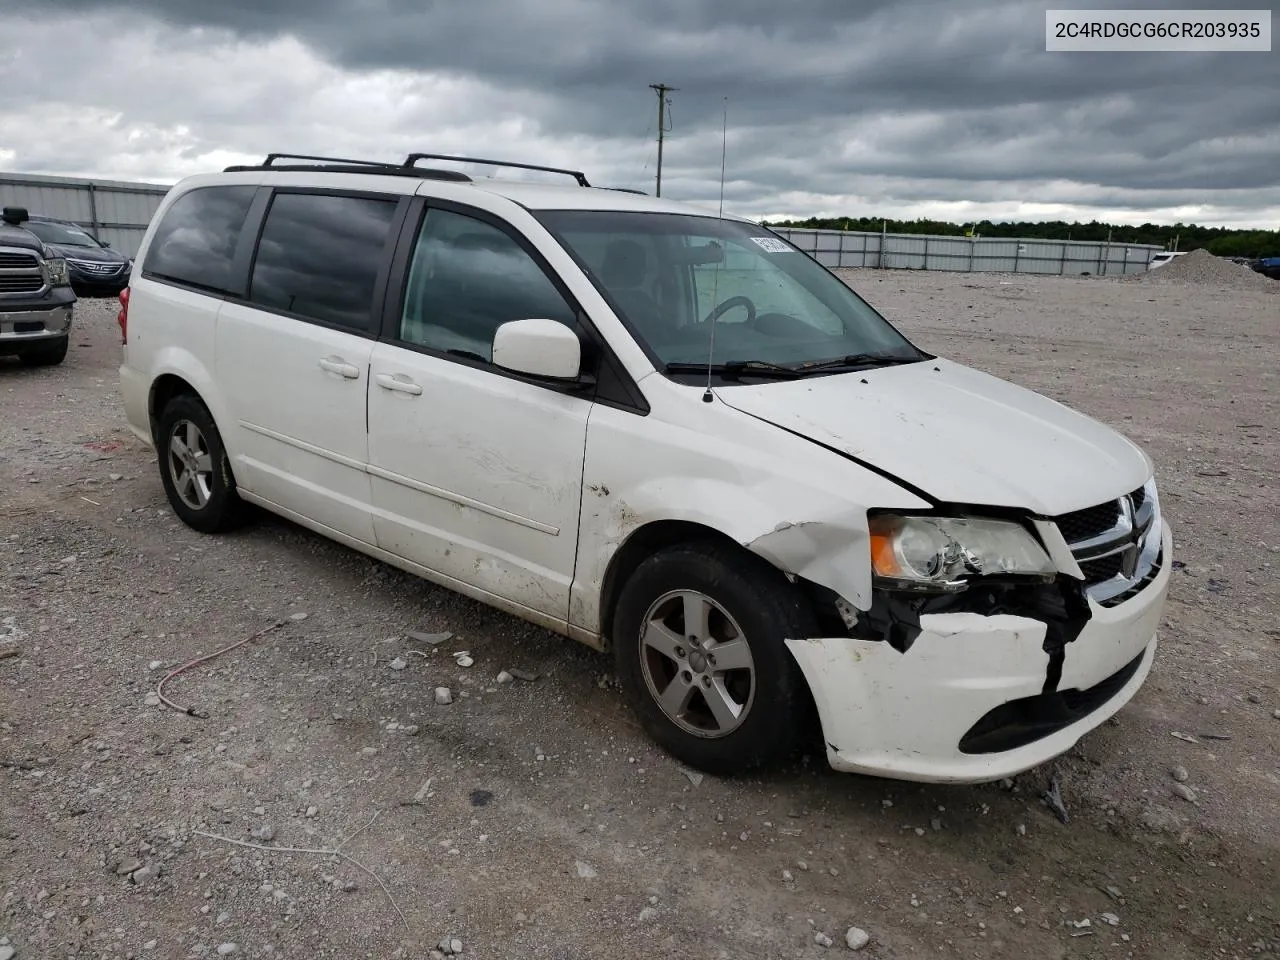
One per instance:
(87, 254)
(959, 435)
(11, 236)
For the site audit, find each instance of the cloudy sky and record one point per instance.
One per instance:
(939, 108)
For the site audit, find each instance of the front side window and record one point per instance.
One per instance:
(467, 278)
(195, 242)
(319, 257)
(675, 277)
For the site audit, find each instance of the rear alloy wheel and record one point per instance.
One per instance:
(698, 638)
(49, 353)
(194, 468)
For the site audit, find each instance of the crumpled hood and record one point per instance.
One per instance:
(959, 435)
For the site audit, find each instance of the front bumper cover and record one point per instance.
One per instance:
(905, 714)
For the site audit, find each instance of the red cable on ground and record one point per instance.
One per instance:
(191, 711)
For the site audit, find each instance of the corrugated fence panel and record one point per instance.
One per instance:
(912, 251)
(114, 211)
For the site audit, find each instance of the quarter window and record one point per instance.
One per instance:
(319, 257)
(468, 278)
(195, 243)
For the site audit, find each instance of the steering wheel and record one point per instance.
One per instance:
(725, 306)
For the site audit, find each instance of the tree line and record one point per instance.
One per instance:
(1221, 241)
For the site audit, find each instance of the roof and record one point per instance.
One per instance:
(548, 196)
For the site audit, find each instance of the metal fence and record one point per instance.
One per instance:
(111, 210)
(914, 251)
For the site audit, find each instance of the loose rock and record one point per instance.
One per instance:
(822, 940)
(585, 870)
(1180, 774)
(443, 696)
(504, 677)
(434, 639)
(648, 914)
(399, 663)
(265, 833)
(1185, 792)
(856, 938)
(226, 949)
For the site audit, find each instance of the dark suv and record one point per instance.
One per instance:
(95, 269)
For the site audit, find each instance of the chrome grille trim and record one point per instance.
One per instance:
(1135, 538)
(22, 273)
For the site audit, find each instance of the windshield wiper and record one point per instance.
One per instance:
(858, 361)
(736, 368)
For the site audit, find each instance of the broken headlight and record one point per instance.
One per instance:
(941, 554)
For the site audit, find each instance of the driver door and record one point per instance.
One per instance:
(476, 472)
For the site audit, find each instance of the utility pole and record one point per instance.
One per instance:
(662, 91)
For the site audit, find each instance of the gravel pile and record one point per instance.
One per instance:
(1202, 269)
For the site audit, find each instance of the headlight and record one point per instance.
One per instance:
(938, 554)
(58, 276)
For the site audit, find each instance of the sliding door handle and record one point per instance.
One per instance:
(340, 366)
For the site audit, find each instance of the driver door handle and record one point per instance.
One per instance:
(399, 383)
(340, 366)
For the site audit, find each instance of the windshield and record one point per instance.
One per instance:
(674, 277)
(62, 233)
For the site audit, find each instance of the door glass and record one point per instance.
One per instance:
(319, 257)
(466, 280)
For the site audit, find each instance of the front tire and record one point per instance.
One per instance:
(47, 354)
(194, 467)
(698, 639)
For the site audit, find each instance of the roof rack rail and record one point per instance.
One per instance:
(628, 190)
(344, 165)
(413, 158)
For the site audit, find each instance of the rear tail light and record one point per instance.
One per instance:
(122, 317)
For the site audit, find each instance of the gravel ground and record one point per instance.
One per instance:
(531, 817)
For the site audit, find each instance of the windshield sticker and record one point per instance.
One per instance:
(771, 244)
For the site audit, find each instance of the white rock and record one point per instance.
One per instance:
(298, 617)
(1110, 918)
(856, 938)
(7, 952)
(226, 949)
(152, 699)
(312, 811)
(822, 940)
(585, 870)
(1185, 792)
(443, 696)
(1180, 774)
(504, 677)
(155, 664)
(115, 476)
(465, 661)
(266, 832)
(142, 877)
(399, 663)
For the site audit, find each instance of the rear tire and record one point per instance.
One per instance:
(47, 354)
(721, 694)
(194, 467)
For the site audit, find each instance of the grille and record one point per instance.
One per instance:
(98, 269)
(21, 284)
(1087, 523)
(18, 261)
(1095, 571)
(1139, 498)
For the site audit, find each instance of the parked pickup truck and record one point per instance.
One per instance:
(36, 299)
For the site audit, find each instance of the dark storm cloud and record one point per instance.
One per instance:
(820, 93)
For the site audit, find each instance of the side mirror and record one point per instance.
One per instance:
(539, 348)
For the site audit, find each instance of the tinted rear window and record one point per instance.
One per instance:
(319, 257)
(195, 243)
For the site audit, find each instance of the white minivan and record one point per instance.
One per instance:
(661, 432)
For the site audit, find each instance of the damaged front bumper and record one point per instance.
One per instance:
(973, 697)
